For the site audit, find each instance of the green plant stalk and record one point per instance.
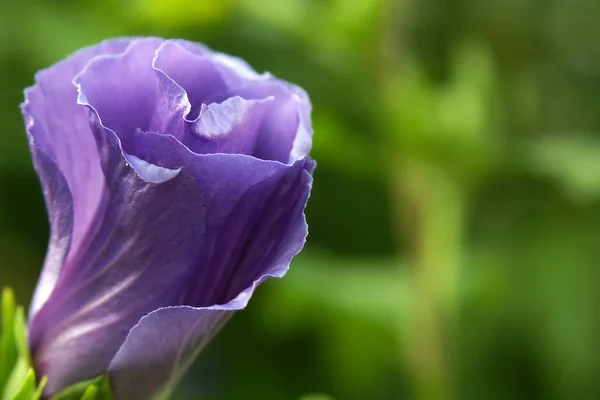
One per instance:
(434, 206)
(429, 207)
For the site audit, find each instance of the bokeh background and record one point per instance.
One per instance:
(454, 220)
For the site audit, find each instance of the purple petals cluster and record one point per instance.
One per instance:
(175, 180)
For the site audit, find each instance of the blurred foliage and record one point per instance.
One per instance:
(454, 221)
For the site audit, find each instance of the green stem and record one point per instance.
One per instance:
(429, 206)
(434, 205)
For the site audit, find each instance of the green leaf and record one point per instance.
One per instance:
(27, 390)
(76, 391)
(104, 390)
(17, 379)
(90, 393)
(40, 389)
(8, 353)
(20, 335)
(94, 389)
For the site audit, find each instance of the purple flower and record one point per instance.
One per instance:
(175, 179)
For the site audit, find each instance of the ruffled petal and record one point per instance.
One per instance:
(59, 204)
(123, 87)
(285, 134)
(161, 347)
(254, 225)
(166, 87)
(245, 198)
(197, 75)
(264, 220)
(150, 235)
(60, 130)
(232, 126)
(237, 72)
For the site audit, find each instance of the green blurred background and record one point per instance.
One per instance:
(454, 220)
